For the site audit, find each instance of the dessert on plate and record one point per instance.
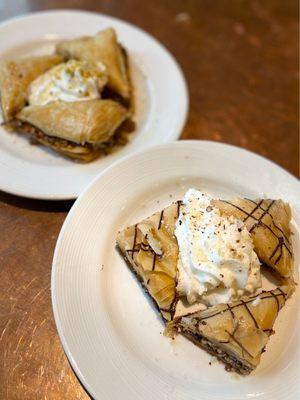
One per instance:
(202, 259)
(78, 101)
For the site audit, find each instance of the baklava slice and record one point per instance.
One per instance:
(15, 78)
(104, 48)
(235, 333)
(81, 130)
(268, 221)
(151, 250)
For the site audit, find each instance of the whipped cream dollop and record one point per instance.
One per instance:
(216, 262)
(71, 81)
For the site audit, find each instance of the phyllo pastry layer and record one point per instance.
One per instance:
(77, 129)
(15, 78)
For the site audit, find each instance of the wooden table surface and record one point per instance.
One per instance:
(240, 59)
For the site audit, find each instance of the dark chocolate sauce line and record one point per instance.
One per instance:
(229, 308)
(235, 327)
(145, 246)
(266, 211)
(135, 236)
(274, 251)
(259, 221)
(231, 312)
(277, 227)
(271, 216)
(253, 211)
(284, 245)
(250, 313)
(252, 201)
(280, 239)
(133, 250)
(239, 344)
(282, 292)
(277, 302)
(280, 255)
(240, 304)
(160, 219)
(261, 217)
(154, 261)
(179, 203)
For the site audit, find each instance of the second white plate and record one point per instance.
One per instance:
(109, 328)
(160, 96)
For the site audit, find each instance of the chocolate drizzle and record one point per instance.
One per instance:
(282, 292)
(134, 249)
(250, 313)
(239, 344)
(160, 219)
(278, 247)
(271, 216)
(144, 245)
(253, 211)
(235, 325)
(154, 261)
(277, 302)
(231, 312)
(282, 240)
(239, 304)
(179, 204)
(245, 304)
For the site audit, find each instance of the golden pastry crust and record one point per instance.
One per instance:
(236, 333)
(105, 48)
(268, 221)
(92, 121)
(15, 77)
(151, 249)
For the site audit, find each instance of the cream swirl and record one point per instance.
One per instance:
(70, 81)
(217, 262)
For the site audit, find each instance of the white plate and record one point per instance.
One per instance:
(109, 328)
(161, 102)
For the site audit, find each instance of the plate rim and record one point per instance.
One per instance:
(182, 81)
(78, 203)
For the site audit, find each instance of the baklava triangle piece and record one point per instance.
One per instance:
(151, 249)
(103, 47)
(76, 129)
(15, 77)
(235, 333)
(268, 222)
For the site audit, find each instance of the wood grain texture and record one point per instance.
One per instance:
(240, 59)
